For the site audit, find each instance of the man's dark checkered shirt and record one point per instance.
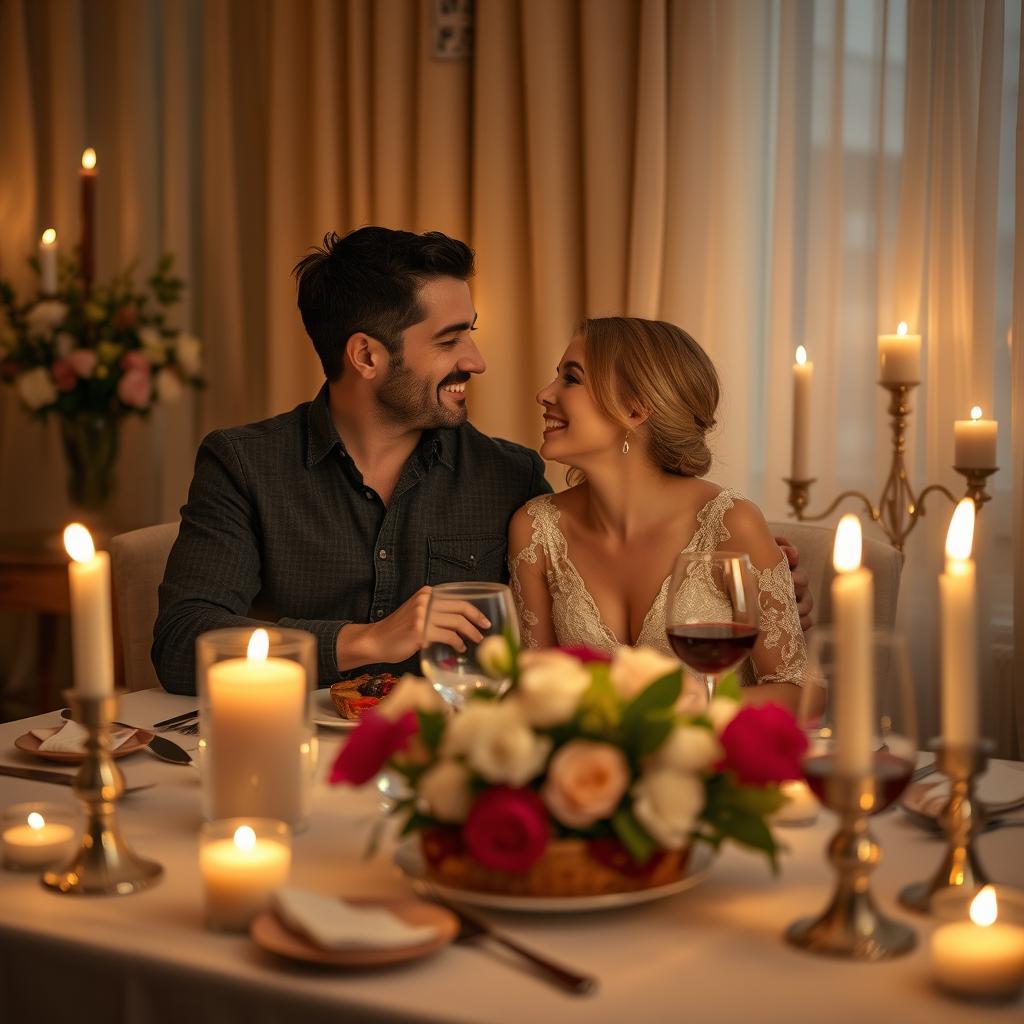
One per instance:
(280, 527)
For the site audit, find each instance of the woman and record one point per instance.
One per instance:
(629, 413)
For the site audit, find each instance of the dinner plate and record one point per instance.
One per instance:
(410, 862)
(268, 932)
(930, 795)
(30, 745)
(324, 713)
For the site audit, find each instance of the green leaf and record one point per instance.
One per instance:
(633, 837)
(728, 686)
(416, 822)
(431, 729)
(599, 713)
(662, 693)
(759, 800)
(651, 734)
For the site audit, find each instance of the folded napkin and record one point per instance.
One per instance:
(334, 924)
(70, 739)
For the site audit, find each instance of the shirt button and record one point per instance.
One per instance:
(369, 495)
(382, 555)
(380, 613)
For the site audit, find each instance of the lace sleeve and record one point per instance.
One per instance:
(780, 655)
(527, 576)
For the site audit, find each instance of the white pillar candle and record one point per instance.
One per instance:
(899, 357)
(37, 843)
(853, 614)
(974, 442)
(980, 957)
(255, 730)
(959, 631)
(91, 630)
(803, 375)
(239, 876)
(48, 262)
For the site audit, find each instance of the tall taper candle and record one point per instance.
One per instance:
(852, 613)
(91, 633)
(87, 175)
(48, 262)
(803, 375)
(959, 631)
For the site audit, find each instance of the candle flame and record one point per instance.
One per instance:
(49, 236)
(245, 838)
(975, 412)
(78, 543)
(89, 159)
(259, 645)
(984, 907)
(846, 551)
(801, 355)
(902, 329)
(960, 536)
(36, 821)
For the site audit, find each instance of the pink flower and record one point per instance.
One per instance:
(134, 388)
(585, 654)
(507, 829)
(374, 740)
(134, 359)
(64, 375)
(763, 744)
(83, 361)
(124, 317)
(585, 782)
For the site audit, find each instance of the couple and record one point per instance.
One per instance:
(339, 516)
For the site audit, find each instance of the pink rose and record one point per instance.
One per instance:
(134, 359)
(372, 742)
(585, 654)
(64, 376)
(83, 361)
(585, 783)
(134, 388)
(507, 829)
(763, 744)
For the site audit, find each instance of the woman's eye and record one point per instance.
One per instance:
(570, 379)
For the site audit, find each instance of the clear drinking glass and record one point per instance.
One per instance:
(711, 615)
(454, 673)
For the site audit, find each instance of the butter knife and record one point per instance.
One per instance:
(165, 749)
(59, 778)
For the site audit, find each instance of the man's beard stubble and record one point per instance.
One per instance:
(411, 401)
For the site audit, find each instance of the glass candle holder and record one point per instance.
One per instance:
(255, 727)
(37, 835)
(242, 861)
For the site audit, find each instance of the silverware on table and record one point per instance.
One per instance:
(58, 778)
(176, 720)
(160, 746)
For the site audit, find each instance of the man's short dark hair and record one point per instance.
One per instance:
(369, 281)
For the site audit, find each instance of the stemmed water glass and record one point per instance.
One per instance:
(711, 614)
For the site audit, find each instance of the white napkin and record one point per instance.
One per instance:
(70, 739)
(334, 924)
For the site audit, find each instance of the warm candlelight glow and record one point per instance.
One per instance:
(975, 412)
(846, 551)
(801, 355)
(89, 159)
(960, 536)
(36, 820)
(902, 329)
(245, 837)
(259, 645)
(78, 543)
(49, 236)
(984, 907)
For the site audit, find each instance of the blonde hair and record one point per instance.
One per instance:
(655, 367)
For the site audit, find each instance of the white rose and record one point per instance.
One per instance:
(550, 686)
(444, 792)
(44, 316)
(168, 387)
(667, 804)
(497, 742)
(633, 669)
(153, 345)
(721, 711)
(36, 388)
(188, 350)
(410, 693)
(495, 656)
(689, 748)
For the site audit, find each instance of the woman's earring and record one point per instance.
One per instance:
(625, 444)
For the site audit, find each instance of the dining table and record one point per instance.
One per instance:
(715, 952)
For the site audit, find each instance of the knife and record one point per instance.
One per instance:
(165, 749)
(41, 775)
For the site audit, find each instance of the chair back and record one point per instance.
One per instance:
(137, 563)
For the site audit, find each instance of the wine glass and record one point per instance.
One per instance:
(711, 615)
(456, 674)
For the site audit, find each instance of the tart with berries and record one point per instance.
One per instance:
(353, 698)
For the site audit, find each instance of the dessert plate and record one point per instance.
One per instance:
(324, 713)
(410, 862)
(30, 745)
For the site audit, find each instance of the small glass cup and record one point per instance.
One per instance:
(36, 835)
(242, 861)
(256, 734)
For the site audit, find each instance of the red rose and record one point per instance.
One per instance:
(585, 654)
(507, 829)
(763, 744)
(372, 742)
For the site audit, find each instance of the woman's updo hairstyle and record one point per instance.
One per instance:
(656, 367)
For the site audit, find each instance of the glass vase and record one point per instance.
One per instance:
(90, 449)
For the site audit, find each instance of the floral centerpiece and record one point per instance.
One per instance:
(92, 356)
(587, 777)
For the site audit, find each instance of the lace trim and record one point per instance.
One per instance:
(527, 618)
(780, 624)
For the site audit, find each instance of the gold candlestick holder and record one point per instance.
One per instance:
(852, 926)
(962, 818)
(104, 864)
(899, 508)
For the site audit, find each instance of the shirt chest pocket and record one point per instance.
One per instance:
(454, 559)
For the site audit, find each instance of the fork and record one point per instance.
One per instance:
(187, 728)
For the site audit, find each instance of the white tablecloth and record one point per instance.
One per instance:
(714, 953)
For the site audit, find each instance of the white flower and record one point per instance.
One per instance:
(689, 748)
(634, 669)
(168, 387)
(495, 656)
(550, 686)
(36, 388)
(497, 742)
(444, 792)
(721, 711)
(188, 350)
(667, 804)
(410, 693)
(64, 343)
(44, 316)
(153, 345)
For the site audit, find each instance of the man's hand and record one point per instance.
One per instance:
(801, 583)
(400, 635)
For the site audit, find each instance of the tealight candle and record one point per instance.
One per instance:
(899, 357)
(980, 957)
(242, 863)
(31, 841)
(974, 442)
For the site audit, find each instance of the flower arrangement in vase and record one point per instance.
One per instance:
(591, 775)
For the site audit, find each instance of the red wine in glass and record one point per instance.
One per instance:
(712, 647)
(891, 775)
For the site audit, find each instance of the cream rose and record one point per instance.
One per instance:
(410, 693)
(444, 792)
(168, 387)
(44, 316)
(667, 804)
(633, 669)
(36, 388)
(497, 742)
(689, 748)
(153, 345)
(585, 782)
(550, 686)
(188, 350)
(721, 711)
(495, 656)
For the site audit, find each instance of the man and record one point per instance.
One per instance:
(337, 517)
